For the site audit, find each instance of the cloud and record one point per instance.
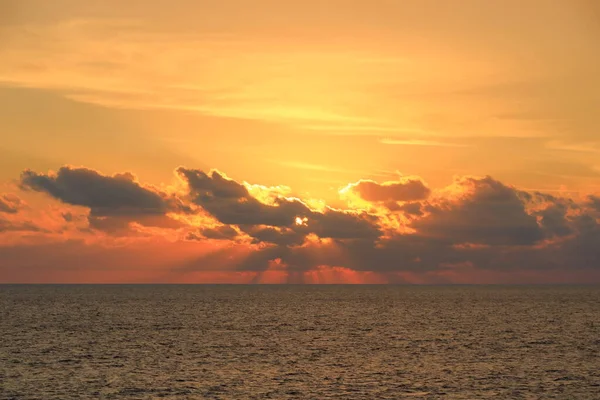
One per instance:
(475, 227)
(104, 195)
(11, 219)
(577, 148)
(485, 212)
(421, 142)
(279, 236)
(410, 209)
(594, 202)
(231, 203)
(337, 224)
(114, 201)
(10, 204)
(224, 232)
(316, 167)
(18, 226)
(405, 189)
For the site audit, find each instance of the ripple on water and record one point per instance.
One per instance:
(278, 342)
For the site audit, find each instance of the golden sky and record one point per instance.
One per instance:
(306, 98)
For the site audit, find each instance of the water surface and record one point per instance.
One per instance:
(300, 342)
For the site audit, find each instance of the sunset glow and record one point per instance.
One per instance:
(300, 142)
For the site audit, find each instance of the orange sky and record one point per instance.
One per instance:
(306, 99)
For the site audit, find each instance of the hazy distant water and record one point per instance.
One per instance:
(314, 342)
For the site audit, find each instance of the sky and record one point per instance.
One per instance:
(263, 141)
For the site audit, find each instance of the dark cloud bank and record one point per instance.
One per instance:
(114, 201)
(476, 222)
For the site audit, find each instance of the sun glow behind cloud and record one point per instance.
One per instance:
(329, 111)
(215, 229)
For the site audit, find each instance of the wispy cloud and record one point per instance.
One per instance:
(578, 148)
(421, 142)
(360, 129)
(309, 166)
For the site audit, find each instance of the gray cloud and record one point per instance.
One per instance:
(488, 212)
(10, 204)
(405, 190)
(224, 232)
(411, 209)
(477, 222)
(18, 226)
(489, 225)
(594, 202)
(114, 201)
(104, 195)
(279, 236)
(231, 203)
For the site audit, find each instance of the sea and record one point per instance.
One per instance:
(299, 342)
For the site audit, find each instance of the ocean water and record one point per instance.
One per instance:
(299, 342)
